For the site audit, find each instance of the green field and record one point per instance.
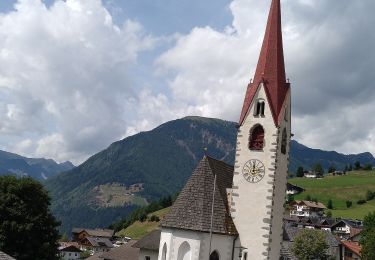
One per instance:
(139, 229)
(352, 186)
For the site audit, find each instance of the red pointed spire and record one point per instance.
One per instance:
(270, 69)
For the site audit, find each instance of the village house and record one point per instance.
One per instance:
(149, 246)
(69, 252)
(311, 174)
(293, 189)
(124, 252)
(351, 250)
(96, 244)
(306, 209)
(79, 234)
(346, 228)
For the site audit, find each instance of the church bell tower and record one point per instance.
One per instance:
(262, 150)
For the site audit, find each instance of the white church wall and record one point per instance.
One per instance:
(221, 243)
(282, 162)
(198, 243)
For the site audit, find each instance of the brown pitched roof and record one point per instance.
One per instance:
(151, 241)
(192, 209)
(311, 204)
(98, 232)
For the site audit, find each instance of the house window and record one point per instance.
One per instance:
(283, 141)
(214, 255)
(259, 108)
(147, 257)
(256, 141)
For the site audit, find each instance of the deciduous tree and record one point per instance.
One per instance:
(28, 230)
(368, 237)
(310, 244)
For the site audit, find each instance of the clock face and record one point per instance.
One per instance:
(253, 171)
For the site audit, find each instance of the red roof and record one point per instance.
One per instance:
(352, 246)
(270, 69)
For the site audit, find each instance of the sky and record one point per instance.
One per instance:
(77, 75)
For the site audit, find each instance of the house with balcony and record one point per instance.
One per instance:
(347, 228)
(306, 209)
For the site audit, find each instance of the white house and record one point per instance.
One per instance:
(306, 209)
(69, 253)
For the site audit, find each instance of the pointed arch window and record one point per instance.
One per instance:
(284, 138)
(256, 141)
(164, 252)
(184, 251)
(214, 255)
(259, 107)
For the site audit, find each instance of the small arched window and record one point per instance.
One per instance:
(214, 255)
(283, 141)
(164, 252)
(256, 141)
(259, 108)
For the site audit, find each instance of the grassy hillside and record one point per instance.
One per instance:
(339, 189)
(139, 229)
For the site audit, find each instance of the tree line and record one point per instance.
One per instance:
(318, 169)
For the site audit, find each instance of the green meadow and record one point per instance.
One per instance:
(353, 187)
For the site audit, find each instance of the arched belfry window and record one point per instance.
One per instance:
(259, 107)
(256, 141)
(214, 255)
(283, 141)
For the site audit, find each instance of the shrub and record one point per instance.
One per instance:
(330, 204)
(349, 203)
(370, 195)
(329, 214)
(154, 218)
(142, 217)
(361, 201)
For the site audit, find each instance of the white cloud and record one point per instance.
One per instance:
(329, 58)
(68, 74)
(64, 76)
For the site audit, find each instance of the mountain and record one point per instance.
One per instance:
(307, 157)
(38, 168)
(152, 164)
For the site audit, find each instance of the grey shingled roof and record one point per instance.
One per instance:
(4, 256)
(100, 241)
(192, 209)
(151, 241)
(124, 252)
